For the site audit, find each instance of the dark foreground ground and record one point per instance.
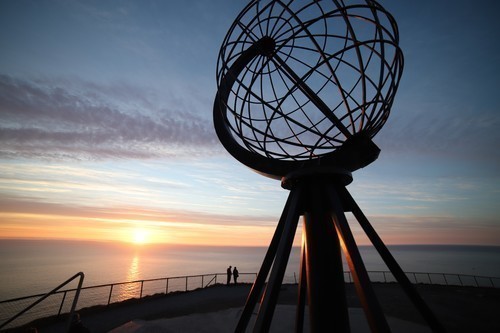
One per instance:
(460, 309)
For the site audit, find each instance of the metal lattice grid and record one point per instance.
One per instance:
(346, 54)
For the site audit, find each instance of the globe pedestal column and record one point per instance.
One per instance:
(324, 276)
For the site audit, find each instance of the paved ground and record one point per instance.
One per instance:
(460, 309)
(224, 321)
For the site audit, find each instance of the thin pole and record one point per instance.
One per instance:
(110, 293)
(62, 302)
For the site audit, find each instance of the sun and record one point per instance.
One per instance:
(140, 236)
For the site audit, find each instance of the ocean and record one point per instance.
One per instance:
(30, 267)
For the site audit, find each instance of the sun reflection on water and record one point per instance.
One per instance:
(133, 270)
(131, 290)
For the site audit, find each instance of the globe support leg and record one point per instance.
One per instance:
(373, 311)
(260, 281)
(391, 263)
(323, 202)
(266, 311)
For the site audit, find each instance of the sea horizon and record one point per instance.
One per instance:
(31, 266)
(152, 244)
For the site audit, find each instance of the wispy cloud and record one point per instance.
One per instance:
(443, 130)
(430, 229)
(54, 119)
(127, 214)
(206, 228)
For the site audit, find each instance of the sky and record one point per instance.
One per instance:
(106, 128)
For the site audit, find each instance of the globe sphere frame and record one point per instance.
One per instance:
(302, 84)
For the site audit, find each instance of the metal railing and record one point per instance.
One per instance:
(43, 297)
(447, 279)
(105, 294)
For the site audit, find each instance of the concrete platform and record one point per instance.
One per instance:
(225, 321)
(460, 310)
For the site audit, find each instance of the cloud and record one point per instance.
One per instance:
(13, 205)
(445, 130)
(29, 215)
(406, 229)
(82, 120)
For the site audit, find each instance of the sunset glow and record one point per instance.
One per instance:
(107, 130)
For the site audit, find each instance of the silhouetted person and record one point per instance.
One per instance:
(228, 275)
(235, 275)
(77, 325)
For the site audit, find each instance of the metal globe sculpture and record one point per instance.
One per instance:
(298, 80)
(303, 87)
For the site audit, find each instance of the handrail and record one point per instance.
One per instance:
(459, 277)
(53, 291)
(444, 275)
(111, 285)
(385, 277)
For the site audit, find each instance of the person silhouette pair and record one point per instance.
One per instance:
(234, 273)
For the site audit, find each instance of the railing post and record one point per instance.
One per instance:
(477, 284)
(202, 280)
(110, 293)
(211, 281)
(445, 280)
(62, 302)
(166, 287)
(385, 279)
(75, 299)
(186, 283)
(142, 286)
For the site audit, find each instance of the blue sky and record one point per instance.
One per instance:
(106, 127)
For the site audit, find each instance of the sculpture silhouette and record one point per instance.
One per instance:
(303, 87)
